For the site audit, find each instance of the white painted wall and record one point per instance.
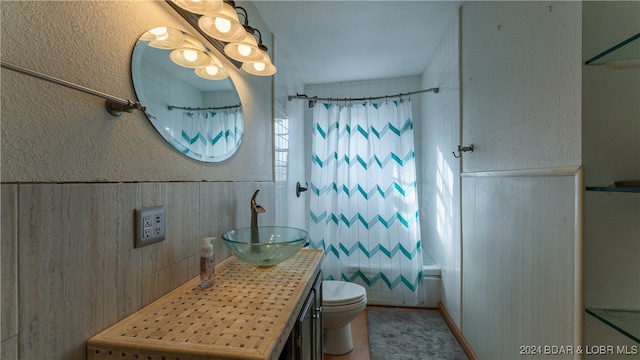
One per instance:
(521, 91)
(521, 83)
(439, 175)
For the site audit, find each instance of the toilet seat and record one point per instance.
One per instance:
(359, 305)
(341, 293)
(345, 302)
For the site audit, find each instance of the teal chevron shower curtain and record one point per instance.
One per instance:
(364, 205)
(208, 134)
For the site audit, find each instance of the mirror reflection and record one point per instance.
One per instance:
(191, 100)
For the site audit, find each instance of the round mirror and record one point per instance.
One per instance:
(190, 98)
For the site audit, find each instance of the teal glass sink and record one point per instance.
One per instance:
(265, 245)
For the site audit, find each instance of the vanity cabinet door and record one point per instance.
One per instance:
(308, 332)
(317, 319)
(305, 330)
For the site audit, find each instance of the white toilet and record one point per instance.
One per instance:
(341, 302)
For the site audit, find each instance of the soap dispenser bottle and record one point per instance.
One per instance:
(207, 263)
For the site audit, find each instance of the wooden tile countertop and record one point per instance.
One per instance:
(247, 314)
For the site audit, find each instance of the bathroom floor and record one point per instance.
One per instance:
(360, 338)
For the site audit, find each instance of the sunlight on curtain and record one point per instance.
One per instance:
(364, 205)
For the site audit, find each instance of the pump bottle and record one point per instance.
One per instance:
(207, 263)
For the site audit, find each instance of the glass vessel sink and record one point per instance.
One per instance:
(265, 245)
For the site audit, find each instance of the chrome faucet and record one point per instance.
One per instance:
(255, 210)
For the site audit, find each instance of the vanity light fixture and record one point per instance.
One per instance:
(213, 71)
(163, 38)
(244, 50)
(201, 7)
(239, 40)
(223, 25)
(259, 68)
(187, 51)
(262, 67)
(191, 54)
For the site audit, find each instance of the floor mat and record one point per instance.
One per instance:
(410, 334)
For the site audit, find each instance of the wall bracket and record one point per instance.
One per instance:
(462, 149)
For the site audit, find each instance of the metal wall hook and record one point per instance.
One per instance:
(462, 149)
(300, 189)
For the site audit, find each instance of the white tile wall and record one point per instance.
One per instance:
(160, 89)
(366, 88)
(290, 167)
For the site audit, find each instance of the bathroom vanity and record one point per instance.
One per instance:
(250, 313)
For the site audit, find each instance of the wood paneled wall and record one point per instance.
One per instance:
(522, 269)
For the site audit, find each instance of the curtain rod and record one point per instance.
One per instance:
(114, 105)
(313, 99)
(171, 107)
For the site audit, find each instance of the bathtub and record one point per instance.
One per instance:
(430, 290)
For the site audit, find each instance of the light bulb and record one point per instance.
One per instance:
(163, 38)
(190, 55)
(223, 25)
(260, 67)
(160, 33)
(212, 69)
(244, 50)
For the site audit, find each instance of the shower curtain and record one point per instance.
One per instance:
(363, 202)
(209, 134)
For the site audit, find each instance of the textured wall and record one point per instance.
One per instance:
(54, 134)
(521, 81)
